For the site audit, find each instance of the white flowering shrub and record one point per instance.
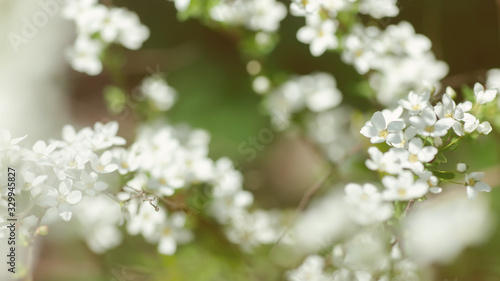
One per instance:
(332, 146)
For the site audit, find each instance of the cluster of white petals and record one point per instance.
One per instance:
(256, 15)
(397, 59)
(316, 92)
(415, 132)
(83, 174)
(98, 26)
(320, 31)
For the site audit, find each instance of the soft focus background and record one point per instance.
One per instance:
(209, 72)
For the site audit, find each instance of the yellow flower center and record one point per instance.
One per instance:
(383, 134)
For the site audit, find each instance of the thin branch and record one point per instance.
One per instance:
(304, 202)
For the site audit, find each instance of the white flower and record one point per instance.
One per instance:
(132, 33)
(416, 102)
(390, 162)
(401, 140)
(437, 231)
(448, 109)
(84, 55)
(265, 15)
(379, 8)
(104, 163)
(321, 91)
(302, 8)
(475, 185)
(90, 184)
(319, 34)
(419, 154)
(471, 123)
(181, 5)
(404, 187)
(378, 128)
(172, 232)
(159, 92)
(367, 202)
(62, 198)
(483, 96)
(223, 206)
(252, 229)
(484, 128)
(431, 180)
(33, 183)
(7, 142)
(428, 125)
(105, 136)
(126, 160)
(42, 151)
(310, 270)
(145, 219)
(167, 179)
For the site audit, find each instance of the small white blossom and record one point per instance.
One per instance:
(319, 34)
(428, 125)
(475, 185)
(404, 187)
(484, 96)
(379, 128)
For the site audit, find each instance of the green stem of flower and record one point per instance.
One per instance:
(451, 143)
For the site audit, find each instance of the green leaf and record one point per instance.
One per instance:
(444, 175)
(440, 158)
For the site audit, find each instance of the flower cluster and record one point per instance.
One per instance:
(167, 163)
(256, 15)
(363, 257)
(322, 24)
(400, 59)
(333, 132)
(97, 27)
(158, 92)
(87, 173)
(316, 92)
(418, 133)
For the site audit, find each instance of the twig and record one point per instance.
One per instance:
(303, 203)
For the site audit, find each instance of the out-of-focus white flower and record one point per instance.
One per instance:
(159, 92)
(404, 187)
(173, 232)
(311, 269)
(84, 56)
(484, 96)
(62, 198)
(181, 5)
(261, 84)
(90, 184)
(7, 142)
(257, 15)
(438, 230)
(319, 34)
(368, 207)
(475, 185)
(144, 219)
(251, 229)
(379, 9)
